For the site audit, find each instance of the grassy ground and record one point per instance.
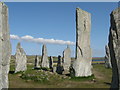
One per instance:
(34, 79)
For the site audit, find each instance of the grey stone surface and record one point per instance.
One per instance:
(5, 46)
(59, 69)
(51, 62)
(114, 47)
(82, 65)
(44, 59)
(37, 62)
(107, 58)
(21, 59)
(66, 60)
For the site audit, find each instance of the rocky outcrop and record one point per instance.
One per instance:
(107, 58)
(44, 59)
(37, 62)
(21, 59)
(114, 47)
(82, 65)
(5, 46)
(66, 60)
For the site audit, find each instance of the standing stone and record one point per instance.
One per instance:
(21, 59)
(37, 62)
(82, 65)
(51, 62)
(44, 59)
(114, 47)
(107, 58)
(66, 60)
(5, 46)
(59, 65)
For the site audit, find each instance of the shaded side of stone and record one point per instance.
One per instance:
(114, 46)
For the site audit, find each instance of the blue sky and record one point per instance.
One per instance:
(57, 21)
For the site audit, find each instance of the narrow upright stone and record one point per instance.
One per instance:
(59, 69)
(21, 59)
(66, 60)
(5, 46)
(82, 65)
(107, 58)
(114, 46)
(44, 59)
(37, 62)
(51, 62)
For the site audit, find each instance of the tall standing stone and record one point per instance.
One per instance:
(66, 60)
(44, 59)
(37, 62)
(21, 59)
(5, 46)
(107, 58)
(114, 46)
(82, 65)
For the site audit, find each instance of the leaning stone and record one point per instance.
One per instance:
(44, 59)
(114, 47)
(5, 46)
(66, 60)
(107, 58)
(82, 65)
(21, 59)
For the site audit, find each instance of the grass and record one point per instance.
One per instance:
(31, 78)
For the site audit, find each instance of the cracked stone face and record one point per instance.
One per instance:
(21, 59)
(114, 47)
(82, 65)
(5, 46)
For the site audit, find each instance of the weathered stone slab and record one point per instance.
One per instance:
(5, 46)
(107, 58)
(21, 59)
(82, 65)
(44, 59)
(59, 65)
(37, 62)
(114, 47)
(66, 60)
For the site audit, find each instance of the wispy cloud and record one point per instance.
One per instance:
(29, 38)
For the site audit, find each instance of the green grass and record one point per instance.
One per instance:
(45, 79)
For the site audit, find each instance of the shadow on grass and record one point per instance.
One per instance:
(11, 72)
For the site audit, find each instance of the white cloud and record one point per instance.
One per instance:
(29, 38)
(15, 37)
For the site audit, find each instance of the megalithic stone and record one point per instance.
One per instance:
(51, 62)
(21, 59)
(37, 62)
(44, 59)
(5, 46)
(107, 58)
(114, 47)
(66, 60)
(59, 69)
(82, 65)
